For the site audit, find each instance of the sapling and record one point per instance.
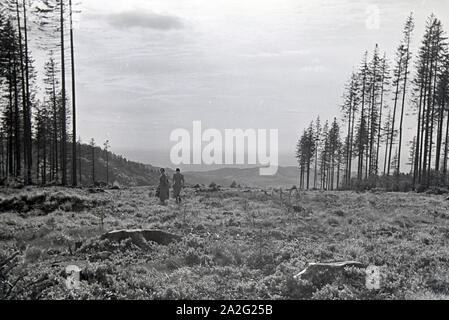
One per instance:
(101, 215)
(184, 215)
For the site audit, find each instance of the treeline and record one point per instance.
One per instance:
(366, 147)
(34, 135)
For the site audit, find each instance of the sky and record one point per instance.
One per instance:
(145, 68)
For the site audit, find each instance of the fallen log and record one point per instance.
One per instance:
(8, 260)
(316, 271)
(158, 236)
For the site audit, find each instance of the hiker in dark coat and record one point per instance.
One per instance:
(178, 184)
(164, 187)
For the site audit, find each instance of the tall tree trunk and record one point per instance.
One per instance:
(386, 148)
(93, 165)
(446, 149)
(362, 127)
(382, 92)
(39, 144)
(315, 173)
(418, 137)
(427, 126)
(79, 162)
(432, 121)
(44, 173)
(396, 97)
(423, 123)
(371, 132)
(351, 144)
(29, 144)
(338, 174)
(55, 127)
(439, 136)
(64, 113)
(72, 55)
(308, 174)
(10, 152)
(24, 95)
(107, 167)
(402, 111)
(17, 160)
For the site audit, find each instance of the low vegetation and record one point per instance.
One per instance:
(236, 243)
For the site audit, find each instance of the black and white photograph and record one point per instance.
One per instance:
(224, 151)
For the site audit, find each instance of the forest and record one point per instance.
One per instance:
(366, 147)
(37, 145)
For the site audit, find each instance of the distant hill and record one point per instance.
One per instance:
(285, 177)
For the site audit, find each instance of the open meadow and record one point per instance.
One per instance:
(234, 243)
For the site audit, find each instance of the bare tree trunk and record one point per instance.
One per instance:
(63, 116)
(39, 143)
(17, 160)
(93, 165)
(24, 96)
(10, 152)
(44, 173)
(351, 146)
(404, 92)
(348, 169)
(386, 149)
(432, 122)
(382, 92)
(362, 127)
(427, 124)
(29, 144)
(439, 136)
(446, 149)
(72, 55)
(55, 128)
(79, 161)
(394, 113)
(418, 137)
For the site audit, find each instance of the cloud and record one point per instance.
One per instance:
(283, 53)
(144, 19)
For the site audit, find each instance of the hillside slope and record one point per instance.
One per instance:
(121, 170)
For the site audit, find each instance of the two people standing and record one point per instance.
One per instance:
(164, 186)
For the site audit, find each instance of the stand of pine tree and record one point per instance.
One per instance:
(376, 102)
(33, 132)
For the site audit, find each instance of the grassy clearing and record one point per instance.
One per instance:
(237, 244)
